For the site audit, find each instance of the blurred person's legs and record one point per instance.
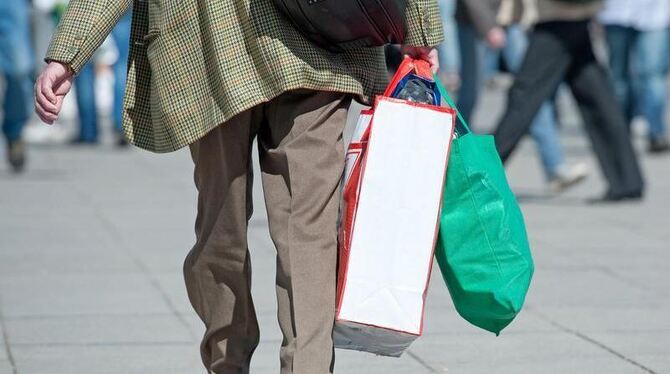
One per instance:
(86, 105)
(638, 64)
(650, 64)
(620, 40)
(472, 50)
(558, 173)
(563, 49)
(544, 127)
(302, 157)
(16, 64)
(542, 70)
(605, 123)
(121, 36)
(449, 49)
(491, 66)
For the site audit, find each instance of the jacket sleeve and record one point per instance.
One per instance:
(83, 27)
(481, 13)
(424, 24)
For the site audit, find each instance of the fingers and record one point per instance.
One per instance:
(63, 88)
(44, 115)
(47, 86)
(434, 60)
(45, 101)
(45, 96)
(45, 109)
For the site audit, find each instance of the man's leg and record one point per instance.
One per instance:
(472, 69)
(218, 270)
(16, 104)
(16, 65)
(544, 127)
(88, 113)
(651, 64)
(541, 72)
(619, 43)
(604, 121)
(302, 159)
(544, 132)
(449, 50)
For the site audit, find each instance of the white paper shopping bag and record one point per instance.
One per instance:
(392, 197)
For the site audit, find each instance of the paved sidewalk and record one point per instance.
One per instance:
(92, 241)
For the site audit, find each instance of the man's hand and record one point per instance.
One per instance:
(51, 87)
(423, 53)
(496, 38)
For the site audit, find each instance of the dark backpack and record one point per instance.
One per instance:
(338, 25)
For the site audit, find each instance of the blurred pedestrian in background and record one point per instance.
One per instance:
(16, 66)
(638, 40)
(560, 50)
(450, 55)
(477, 27)
(495, 24)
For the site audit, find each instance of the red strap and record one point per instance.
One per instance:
(405, 68)
(422, 69)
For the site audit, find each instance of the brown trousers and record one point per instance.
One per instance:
(302, 158)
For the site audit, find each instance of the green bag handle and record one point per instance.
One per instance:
(450, 102)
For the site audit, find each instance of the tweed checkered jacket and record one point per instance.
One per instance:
(194, 64)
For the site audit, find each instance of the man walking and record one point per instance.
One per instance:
(490, 27)
(214, 75)
(560, 49)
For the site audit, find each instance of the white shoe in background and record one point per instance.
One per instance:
(568, 176)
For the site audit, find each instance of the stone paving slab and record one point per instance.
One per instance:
(656, 363)
(5, 367)
(62, 261)
(636, 343)
(593, 319)
(98, 329)
(586, 287)
(79, 294)
(517, 353)
(108, 359)
(5, 364)
(445, 321)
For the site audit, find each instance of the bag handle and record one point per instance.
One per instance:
(450, 102)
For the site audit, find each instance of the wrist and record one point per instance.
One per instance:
(66, 68)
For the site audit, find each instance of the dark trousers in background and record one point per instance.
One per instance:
(562, 51)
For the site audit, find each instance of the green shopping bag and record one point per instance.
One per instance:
(482, 248)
